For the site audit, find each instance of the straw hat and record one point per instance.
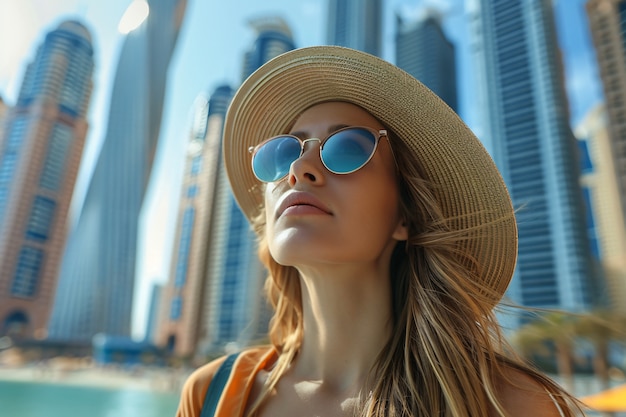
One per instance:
(465, 178)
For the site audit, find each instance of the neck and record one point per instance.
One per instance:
(347, 321)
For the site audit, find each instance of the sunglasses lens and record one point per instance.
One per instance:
(348, 150)
(271, 161)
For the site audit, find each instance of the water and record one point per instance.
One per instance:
(30, 399)
(33, 399)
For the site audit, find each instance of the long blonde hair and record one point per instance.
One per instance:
(446, 354)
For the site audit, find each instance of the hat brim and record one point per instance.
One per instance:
(466, 181)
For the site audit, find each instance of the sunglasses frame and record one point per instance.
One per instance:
(378, 134)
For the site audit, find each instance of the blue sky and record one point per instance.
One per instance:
(210, 48)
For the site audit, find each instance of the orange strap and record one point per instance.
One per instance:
(238, 387)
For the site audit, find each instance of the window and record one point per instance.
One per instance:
(27, 272)
(55, 163)
(9, 156)
(184, 247)
(7, 166)
(192, 191)
(41, 217)
(196, 165)
(176, 308)
(585, 158)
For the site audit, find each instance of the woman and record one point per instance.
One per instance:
(389, 236)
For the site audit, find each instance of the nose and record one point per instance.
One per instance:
(309, 167)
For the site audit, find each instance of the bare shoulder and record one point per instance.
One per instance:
(522, 395)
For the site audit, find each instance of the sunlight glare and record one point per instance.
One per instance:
(134, 16)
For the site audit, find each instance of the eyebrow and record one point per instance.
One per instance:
(304, 135)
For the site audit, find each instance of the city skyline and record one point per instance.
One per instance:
(525, 111)
(212, 300)
(98, 274)
(194, 71)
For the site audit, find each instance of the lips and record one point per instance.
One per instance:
(303, 202)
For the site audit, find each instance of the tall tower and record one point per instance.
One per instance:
(214, 295)
(607, 21)
(97, 278)
(355, 24)
(184, 298)
(44, 135)
(235, 310)
(601, 190)
(526, 123)
(274, 37)
(423, 51)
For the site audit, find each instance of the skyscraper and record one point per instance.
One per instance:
(355, 24)
(601, 190)
(97, 278)
(214, 295)
(273, 37)
(607, 22)
(527, 128)
(39, 159)
(184, 298)
(423, 51)
(235, 309)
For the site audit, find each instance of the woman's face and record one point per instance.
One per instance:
(315, 217)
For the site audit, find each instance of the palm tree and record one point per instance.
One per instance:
(554, 329)
(600, 328)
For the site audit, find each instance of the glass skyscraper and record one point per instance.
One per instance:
(607, 22)
(97, 278)
(526, 126)
(356, 24)
(183, 304)
(606, 219)
(44, 135)
(273, 38)
(236, 310)
(214, 295)
(423, 51)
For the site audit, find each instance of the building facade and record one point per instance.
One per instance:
(273, 37)
(607, 22)
(601, 190)
(44, 136)
(356, 24)
(97, 278)
(183, 300)
(526, 124)
(423, 51)
(214, 299)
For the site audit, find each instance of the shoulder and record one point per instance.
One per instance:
(195, 388)
(523, 395)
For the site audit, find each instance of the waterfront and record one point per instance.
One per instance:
(33, 391)
(78, 391)
(42, 399)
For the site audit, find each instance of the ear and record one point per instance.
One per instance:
(401, 231)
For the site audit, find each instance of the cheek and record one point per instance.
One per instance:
(270, 205)
(269, 212)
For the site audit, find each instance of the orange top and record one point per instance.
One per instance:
(235, 395)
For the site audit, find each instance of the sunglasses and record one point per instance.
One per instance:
(342, 152)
